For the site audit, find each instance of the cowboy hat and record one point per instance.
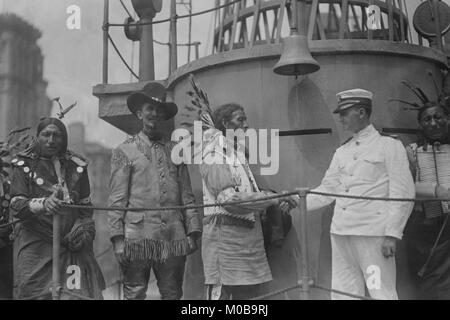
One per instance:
(155, 94)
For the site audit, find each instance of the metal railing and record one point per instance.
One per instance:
(323, 20)
(305, 282)
(246, 23)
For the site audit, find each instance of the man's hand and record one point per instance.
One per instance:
(53, 204)
(287, 204)
(192, 241)
(389, 247)
(119, 250)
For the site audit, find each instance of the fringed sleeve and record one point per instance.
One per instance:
(119, 194)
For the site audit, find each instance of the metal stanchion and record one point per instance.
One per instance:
(173, 57)
(56, 249)
(119, 286)
(304, 280)
(105, 40)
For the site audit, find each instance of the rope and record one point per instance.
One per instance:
(248, 201)
(103, 252)
(276, 196)
(126, 9)
(342, 292)
(14, 222)
(376, 198)
(274, 293)
(161, 43)
(218, 204)
(100, 208)
(433, 249)
(178, 44)
(6, 225)
(176, 16)
(34, 297)
(121, 57)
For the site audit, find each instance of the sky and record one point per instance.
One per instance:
(73, 58)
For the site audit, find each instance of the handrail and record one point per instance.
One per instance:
(245, 13)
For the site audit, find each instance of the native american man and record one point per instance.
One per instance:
(45, 176)
(428, 231)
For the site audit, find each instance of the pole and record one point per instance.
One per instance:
(146, 55)
(55, 262)
(105, 40)
(294, 22)
(190, 31)
(197, 44)
(437, 22)
(173, 36)
(132, 56)
(146, 10)
(304, 277)
(119, 286)
(302, 19)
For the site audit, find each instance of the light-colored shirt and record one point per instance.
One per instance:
(233, 250)
(368, 165)
(142, 176)
(431, 167)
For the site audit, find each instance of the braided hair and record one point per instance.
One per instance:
(45, 122)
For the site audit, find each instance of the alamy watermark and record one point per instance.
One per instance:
(373, 279)
(74, 279)
(373, 13)
(73, 21)
(236, 147)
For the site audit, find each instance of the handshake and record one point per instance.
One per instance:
(287, 203)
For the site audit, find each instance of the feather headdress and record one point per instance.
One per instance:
(199, 107)
(63, 111)
(212, 139)
(424, 101)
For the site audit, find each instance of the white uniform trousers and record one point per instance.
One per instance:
(357, 262)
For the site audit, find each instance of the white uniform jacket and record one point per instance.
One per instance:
(369, 165)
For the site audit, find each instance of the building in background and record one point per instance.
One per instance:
(23, 98)
(98, 158)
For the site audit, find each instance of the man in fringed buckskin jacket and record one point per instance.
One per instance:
(143, 175)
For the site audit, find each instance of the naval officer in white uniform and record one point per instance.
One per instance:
(364, 233)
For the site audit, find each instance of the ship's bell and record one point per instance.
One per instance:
(296, 59)
(132, 29)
